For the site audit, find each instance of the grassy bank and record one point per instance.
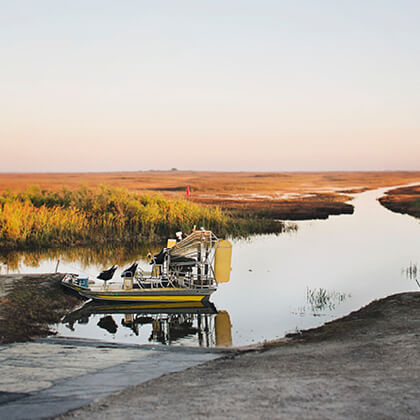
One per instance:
(40, 218)
(405, 200)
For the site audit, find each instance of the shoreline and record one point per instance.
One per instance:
(362, 365)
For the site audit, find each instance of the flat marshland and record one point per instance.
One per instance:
(214, 185)
(43, 210)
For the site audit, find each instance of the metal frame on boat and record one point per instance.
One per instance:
(185, 271)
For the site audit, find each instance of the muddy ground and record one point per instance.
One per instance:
(315, 206)
(365, 365)
(30, 303)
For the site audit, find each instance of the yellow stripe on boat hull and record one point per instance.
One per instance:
(153, 298)
(169, 305)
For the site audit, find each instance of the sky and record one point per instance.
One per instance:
(100, 85)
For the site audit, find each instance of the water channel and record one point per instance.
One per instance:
(279, 283)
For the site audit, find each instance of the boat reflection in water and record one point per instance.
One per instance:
(166, 323)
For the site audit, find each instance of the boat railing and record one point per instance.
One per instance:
(189, 263)
(191, 281)
(193, 241)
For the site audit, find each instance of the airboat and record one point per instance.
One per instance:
(186, 270)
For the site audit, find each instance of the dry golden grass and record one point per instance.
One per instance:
(403, 200)
(224, 183)
(83, 216)
(297, 195)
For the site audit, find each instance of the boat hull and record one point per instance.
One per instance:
(157, 295)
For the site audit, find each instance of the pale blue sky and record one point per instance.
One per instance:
(221, 85)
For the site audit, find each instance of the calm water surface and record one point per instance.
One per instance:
(279, 284)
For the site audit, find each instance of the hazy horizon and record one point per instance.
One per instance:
(276, 86)
(207, 171)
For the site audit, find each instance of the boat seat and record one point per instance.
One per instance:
(130, 271)
(159, 258)
(107, 274)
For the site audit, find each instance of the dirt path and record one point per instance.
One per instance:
(366, 365)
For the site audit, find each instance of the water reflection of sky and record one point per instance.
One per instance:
(359, 255)
(349, 260)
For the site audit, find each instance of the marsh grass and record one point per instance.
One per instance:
(322, 299)
(176, 182)
(40, 218)
(405, 200)
(412, 272)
